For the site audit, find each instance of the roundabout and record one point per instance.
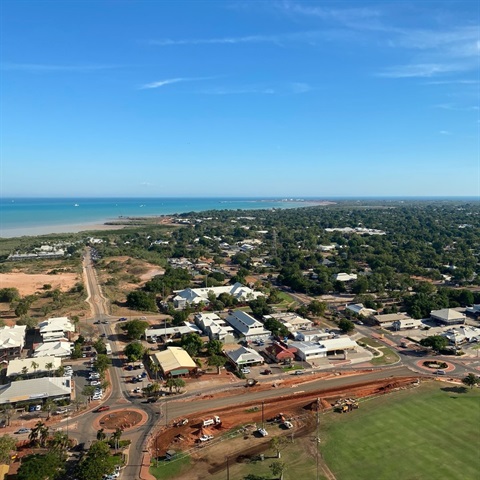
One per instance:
(125, 419)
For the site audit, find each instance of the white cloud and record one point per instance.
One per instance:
(169, 81)
(422, 70)
(444, 132)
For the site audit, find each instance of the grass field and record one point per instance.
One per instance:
(389, 357)
(170, 469)
(429, 433)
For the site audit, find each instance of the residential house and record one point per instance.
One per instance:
(359, 309)
(171, 332)
(53, 349)
(281, 352)
(345, 277)
(291, 320)
(313, 335)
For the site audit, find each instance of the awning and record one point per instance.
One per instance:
(181, 371)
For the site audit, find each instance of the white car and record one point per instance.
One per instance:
(95, 383)
(98, 396)
(205, 438)
(245, 370)
(262, 432)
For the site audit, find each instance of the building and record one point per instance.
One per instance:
(407, 324)
(194, 296)
(171, 332)
(53, 349)
(55, 329)
(386, 320)
(474, 311)
(246, 326)
(12, 341)
(359, 309)
(313, 335)
(448, 316)
(215, 327)
(345, 277)
(174, 362)
(335, 346)
(291, 320)
(244, 356)
(35, 390)
(281, 353)
(463, 334)
(17, 367)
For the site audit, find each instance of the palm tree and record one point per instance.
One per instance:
(43, 435)
(35, 432)
(178, 384)
(101, 435)
(49, 367)
(59, 442)
(154, 368)
(34, 366)
(24, 371)
(7, 412)
(60, 372)
(170, 383)
(116, 435)
(48, 407)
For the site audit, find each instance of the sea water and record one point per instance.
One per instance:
(32, 216)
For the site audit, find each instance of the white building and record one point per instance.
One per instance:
(386, 320)
(169, 332)
(244, 356)
(35, 390)
(246, 326)
(16, 367)
(448, 316)
(55, 329)
(12, 341)
(313, 335)
(310, 350)
(194, 296)
(53, 349)
(345, 277)
(291, 320)
(215, 327)
(360, 309)
(462, 334)
(407, 324)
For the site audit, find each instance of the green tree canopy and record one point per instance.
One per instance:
(192, 343)
(135, 329)
(471, 380)
(134, 351)
(7, 446)
(142, 301)
(97, 463)
(435, 342)
(41, 467)
(346, 326)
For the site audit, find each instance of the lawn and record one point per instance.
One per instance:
(389, 357)
(170, 469)
(431, 432)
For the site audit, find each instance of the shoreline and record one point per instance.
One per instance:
(57, 229)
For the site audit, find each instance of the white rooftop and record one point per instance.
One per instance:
(11, 337)
(16, 366)
(54, 349)
(35, 389)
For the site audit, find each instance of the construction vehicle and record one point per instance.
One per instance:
(346, 405)
(211, 421)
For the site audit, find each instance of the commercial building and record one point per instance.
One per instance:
(292, 321)
(36, 389)
(407, 324)
(215, 327)
(23, 366)
(335, 346)
(171, 332)
(53, 349)
(55, 329)
(12, 341)
(448, 316)
(386, 320)
(244, 356)
(174, 362)
(360, 309)
(247, 327)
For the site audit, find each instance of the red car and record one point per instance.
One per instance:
(102, 409)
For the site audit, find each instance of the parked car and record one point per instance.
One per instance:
(137, 390)
(267, 371)
(122, 319)
(61, 411)
(20, 431)
(205, 438)
(299, 372)
(95, 383)
(129, 367)
(262, 432)
(245, 370)
(34, 408)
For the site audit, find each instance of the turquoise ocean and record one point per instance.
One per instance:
(37, 216)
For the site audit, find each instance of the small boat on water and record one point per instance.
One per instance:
(76, 205)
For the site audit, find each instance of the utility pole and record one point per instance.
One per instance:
(228, 469)
(317, 438)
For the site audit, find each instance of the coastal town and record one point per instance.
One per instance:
(223, 335)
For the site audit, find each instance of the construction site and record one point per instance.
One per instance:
(243, 432)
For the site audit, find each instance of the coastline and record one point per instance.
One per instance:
(57, 229)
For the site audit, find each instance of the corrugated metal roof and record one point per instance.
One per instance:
(173, 358)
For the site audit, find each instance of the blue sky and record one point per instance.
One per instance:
(241, 98)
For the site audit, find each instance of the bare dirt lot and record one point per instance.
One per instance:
(240, 422)
(28, 284)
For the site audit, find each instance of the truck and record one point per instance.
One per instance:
(211, 421)
(108, 348)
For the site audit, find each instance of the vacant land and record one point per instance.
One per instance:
(431, 432)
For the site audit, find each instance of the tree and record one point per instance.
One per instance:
(115, 438)
(278, 443)
(178, 383)
(101, 435)
(135, 329)
(435, 342)
(214, 347)
(9, 295)
(276, 327)
(471, 380)
(49, 367)
(59, 442)
(41, 467)
(88, 391)
(192, 343)
(7, 413)
(143, 301)
(7, 446)
(217, 361)
(100, 346)
(97, 463)
(134, 351)
(154, 368)
(317, 308)
(260, 307)
(278, 468)
(38, 433)
(48, 407)
(170, 383)
(102, 363)
(34, 365)
(346, 326)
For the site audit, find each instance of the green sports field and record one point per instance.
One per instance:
(432, 432)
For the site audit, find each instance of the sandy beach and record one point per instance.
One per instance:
(45, 230)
